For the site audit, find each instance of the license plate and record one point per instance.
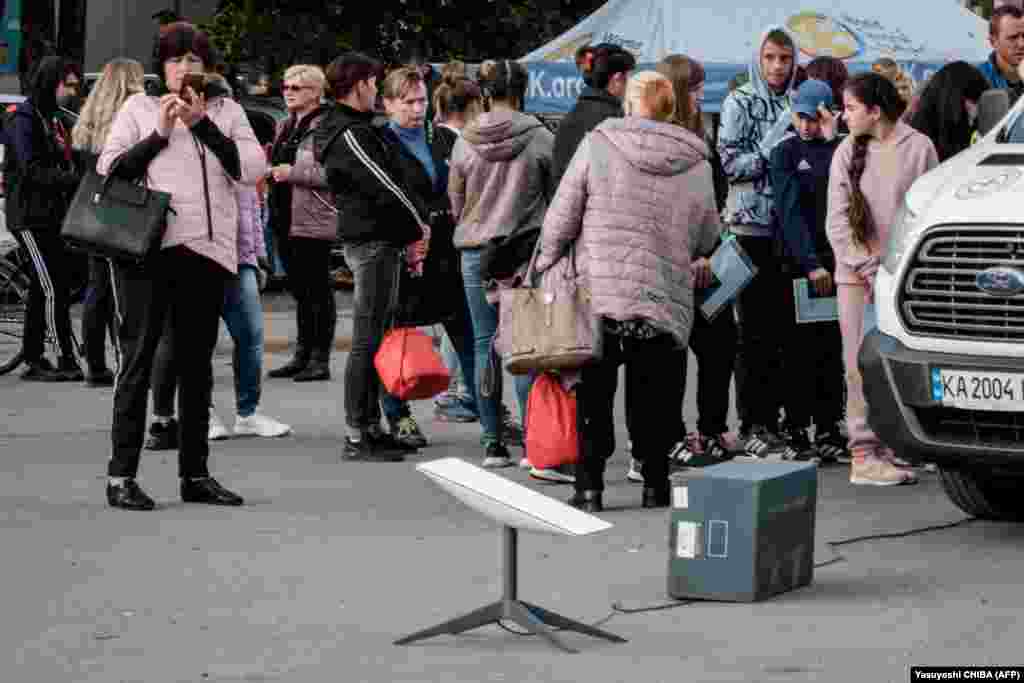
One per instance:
(973, 390)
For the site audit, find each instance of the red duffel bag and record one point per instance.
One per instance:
(408, 365)
(551, 437)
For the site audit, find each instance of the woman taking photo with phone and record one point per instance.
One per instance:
(177, 144)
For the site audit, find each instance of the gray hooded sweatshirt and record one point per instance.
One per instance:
(753, 117)
(499, 177)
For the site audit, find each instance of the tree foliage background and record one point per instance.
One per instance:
(273, 34)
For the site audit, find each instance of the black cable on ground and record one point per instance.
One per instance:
(618, 608)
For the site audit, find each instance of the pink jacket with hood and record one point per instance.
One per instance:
(499, 176)
(177, 170)
(638, 203)
(891, 169)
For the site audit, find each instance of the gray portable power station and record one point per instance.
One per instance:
(742, 531)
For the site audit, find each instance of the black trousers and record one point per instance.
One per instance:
(762, 312)
(49, 295)
(307, 262)
(374, 268)
(98, 313)
(164, 380)
(653, 368)
(714, 346)
(813, 365)
(186, 291)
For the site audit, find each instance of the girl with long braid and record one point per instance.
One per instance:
(870, 174)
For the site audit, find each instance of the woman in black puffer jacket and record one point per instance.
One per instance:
(605, 70)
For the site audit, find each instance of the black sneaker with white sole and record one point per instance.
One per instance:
(800, 447)
(765, 445)
(699, 451)
(832, 448)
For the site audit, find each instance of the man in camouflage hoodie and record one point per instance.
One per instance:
(755, 117)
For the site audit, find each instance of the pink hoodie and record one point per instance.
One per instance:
(890, 171)
(177, 170)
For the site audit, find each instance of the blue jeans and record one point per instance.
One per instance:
(454, 365)
(485, 325)
(243, 315)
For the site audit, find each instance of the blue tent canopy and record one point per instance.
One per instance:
(722, 38)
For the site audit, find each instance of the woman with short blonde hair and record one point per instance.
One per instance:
(307, 74)
(303, 220)
(631, 254)
(650, 95)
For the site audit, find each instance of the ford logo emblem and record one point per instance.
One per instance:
(1000, 281)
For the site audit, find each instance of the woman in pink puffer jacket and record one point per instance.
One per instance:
(636, 204)
(197, 153)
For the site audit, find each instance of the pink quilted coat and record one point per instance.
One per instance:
(638, 203)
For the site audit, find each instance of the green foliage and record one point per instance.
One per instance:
(276, 33)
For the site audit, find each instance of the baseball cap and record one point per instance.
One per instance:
(810, 95)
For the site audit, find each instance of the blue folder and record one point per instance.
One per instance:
(810, 307)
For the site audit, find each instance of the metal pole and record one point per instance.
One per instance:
(511, 565)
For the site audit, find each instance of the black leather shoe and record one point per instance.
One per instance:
(316, 371)
(70, 370)
(656, 497)
(370, 449)
(389, 442)
(100, 378)
(207, 490)
(163, 436)
(588, 501)
(128, 496)
(293, 367)
(41, 370)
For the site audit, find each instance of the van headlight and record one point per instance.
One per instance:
(899, 236)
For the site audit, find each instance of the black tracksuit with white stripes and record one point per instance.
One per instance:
(378, 215)
(373, 204)
(41, 175)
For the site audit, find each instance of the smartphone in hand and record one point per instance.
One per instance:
(192, 80)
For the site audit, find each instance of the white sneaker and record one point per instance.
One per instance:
(874, 471)
(562, 474)
(634, 472)
(217, 431)
(260, 425)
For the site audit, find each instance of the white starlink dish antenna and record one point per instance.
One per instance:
(515, 507)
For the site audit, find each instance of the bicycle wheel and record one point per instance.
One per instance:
(13, 299)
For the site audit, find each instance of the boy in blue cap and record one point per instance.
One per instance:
(812, 352)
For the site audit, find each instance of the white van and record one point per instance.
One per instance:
(944, 370)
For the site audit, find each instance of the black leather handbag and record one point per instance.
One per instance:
(116, 218)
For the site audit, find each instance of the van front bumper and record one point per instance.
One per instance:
(906, 416)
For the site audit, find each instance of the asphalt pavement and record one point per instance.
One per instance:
(329, 562)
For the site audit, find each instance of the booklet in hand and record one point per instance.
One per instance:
(732, 270)
(810, 306)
